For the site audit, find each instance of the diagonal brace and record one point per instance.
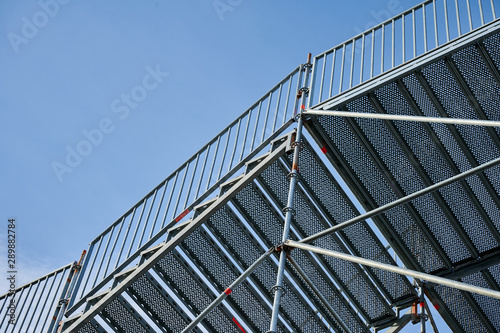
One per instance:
(228, 291)
(396, 269)
(403, 200)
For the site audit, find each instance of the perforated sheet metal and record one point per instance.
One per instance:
(91, 327)
(208, 256)
(384, 160)
(489, 306)
(252, 204)
(379, 190)
(120, 318)
(174, 270)
(330, 292)
(336, 205)
(461, 309)
(450, 141)
(146, 292)
(308, 222)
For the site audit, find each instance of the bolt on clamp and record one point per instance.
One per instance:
(288, 209)
(275, 288)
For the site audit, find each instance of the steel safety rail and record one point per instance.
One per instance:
(393, 42)
(148, 220)
(34, 304)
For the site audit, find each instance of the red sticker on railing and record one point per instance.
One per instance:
(184, 213)
(323, 150)
(228, 291)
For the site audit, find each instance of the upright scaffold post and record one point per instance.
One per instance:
(302, 95)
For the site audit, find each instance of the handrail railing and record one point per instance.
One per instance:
(389, 44)
(148, 220)
(393, 42)
(34, 303)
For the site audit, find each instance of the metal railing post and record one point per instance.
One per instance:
(302, 95)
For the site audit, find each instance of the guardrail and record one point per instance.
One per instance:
(394, 42)
(147, 221)
(35, 304)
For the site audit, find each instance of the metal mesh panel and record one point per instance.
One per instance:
(456, 105)
(269, 227)
(291, 304)
(309, 223)
(489, 305)
(90, 328)
(238, 242)
(145, 292)
(492, 44)
(378, 188)
(329, 291)
(208, 256)
(461, 309)
(256, 209)
(480, 81)
(495, 272)
(453, 148)
(119, 317)
(436, 168)
(359, 236)
(406, 176)
(175, 273)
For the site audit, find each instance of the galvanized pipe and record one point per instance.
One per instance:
(289, 208)
(422, 309)
(403, 200)
(397, 270)
(454, 121)
(228, 291)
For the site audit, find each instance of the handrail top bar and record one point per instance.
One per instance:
(374, 28)
(46, 276)
(193, 157)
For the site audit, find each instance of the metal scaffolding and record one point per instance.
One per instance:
(392, 172)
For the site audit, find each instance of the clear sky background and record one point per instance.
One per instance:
(62, 79)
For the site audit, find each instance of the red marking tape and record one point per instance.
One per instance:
(422, 304)
(303, 107)
(228, 291)
(238, 324)
(184, 213)
(436, 306)
(323, 150)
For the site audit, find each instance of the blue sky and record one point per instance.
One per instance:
(194, 66)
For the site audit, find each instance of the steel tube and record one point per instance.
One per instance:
(147, 216)
(425, 28)
(403, 200)
(277, 109)
(265, 119)
(435, 22)
(156, 214)
(289, 209)
(480, 3)
(446, 21)
(228, 291)
(318, 293)
(332, 73)
(458, 18)
(397, 270)
(455, 121)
